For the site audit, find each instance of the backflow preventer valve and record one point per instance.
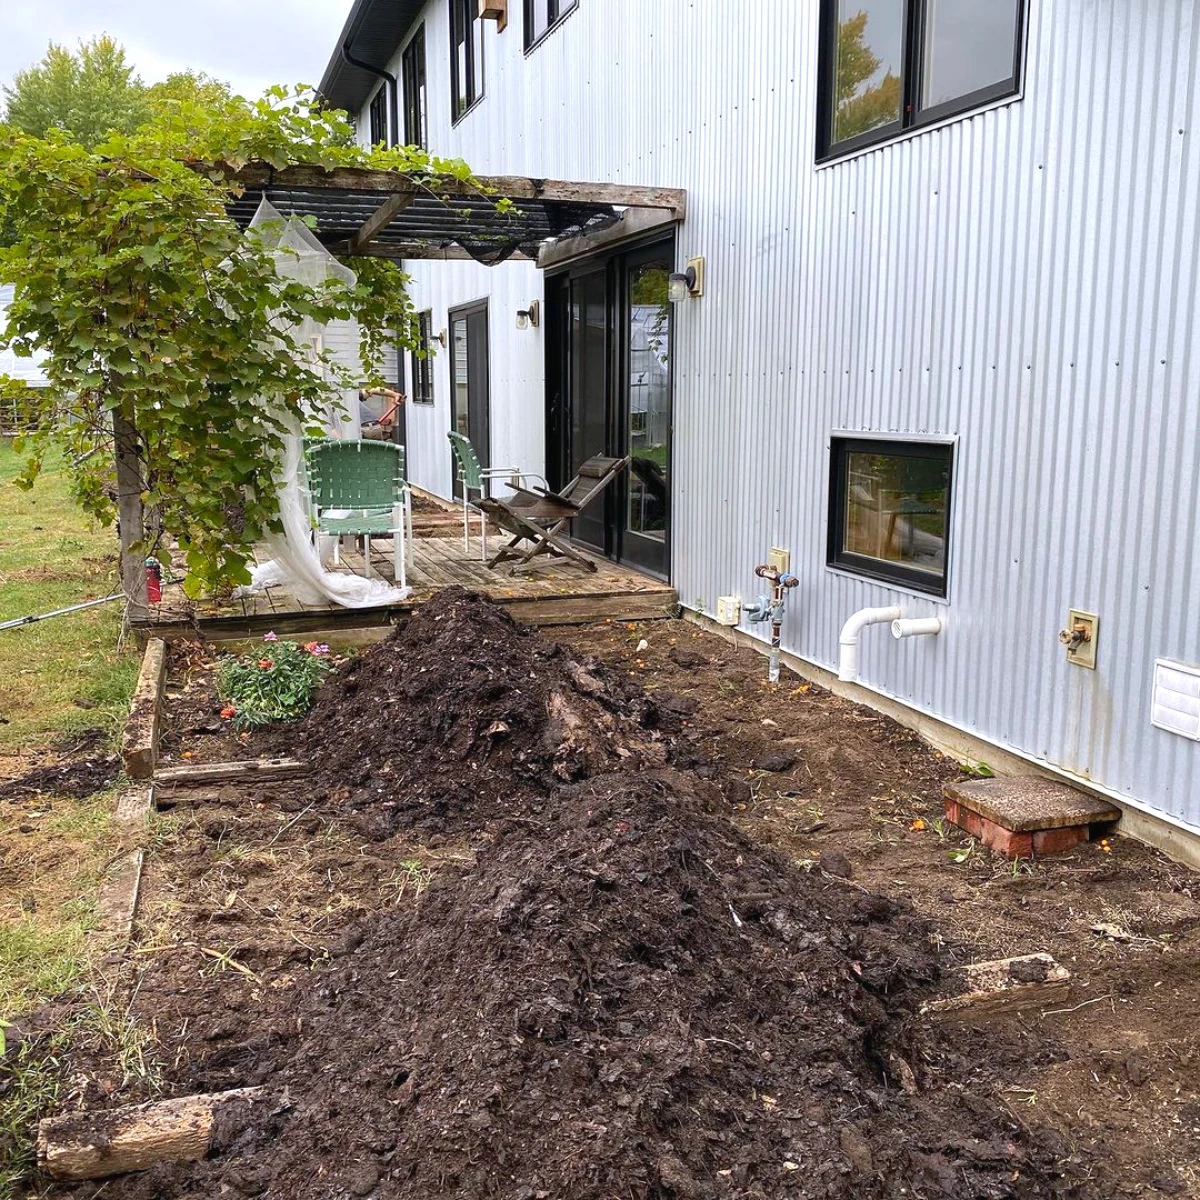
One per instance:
(770, 608)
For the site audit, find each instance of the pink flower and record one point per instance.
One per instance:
(316, 648)
(270, 637)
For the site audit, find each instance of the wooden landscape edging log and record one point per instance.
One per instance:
(93, 1145)
(1003, 985)
(139, 746)
(200, 774)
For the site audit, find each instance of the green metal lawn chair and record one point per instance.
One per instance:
(359, 489)
(474, 477)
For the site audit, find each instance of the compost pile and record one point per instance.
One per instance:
(623, 996)
(462, 716)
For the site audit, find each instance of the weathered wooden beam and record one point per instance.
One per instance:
(94, 1145)
(139, 745)
(130, 516)
(514, 187)
(1003, 985)
(634, 222)
(199, 774)
(380, 219)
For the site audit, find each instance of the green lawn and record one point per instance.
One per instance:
(52, 556)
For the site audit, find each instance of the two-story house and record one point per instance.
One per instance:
(938, 345)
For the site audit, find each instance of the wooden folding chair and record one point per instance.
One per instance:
(539, 516)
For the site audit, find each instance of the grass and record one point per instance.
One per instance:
(48, 883)
(52, 556)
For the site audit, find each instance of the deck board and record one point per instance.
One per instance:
(551, 593)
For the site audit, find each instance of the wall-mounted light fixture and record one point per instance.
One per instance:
(687, 284)
(529, 316)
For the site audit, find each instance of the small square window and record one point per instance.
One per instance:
(889, 511)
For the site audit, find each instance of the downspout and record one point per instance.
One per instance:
(393, 89)
(848, 642)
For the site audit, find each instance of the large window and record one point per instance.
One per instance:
(542, 15)
(466, 55)
(412, 68)
(892, 65)
(421, 361)
(378, 114)
(889, 510)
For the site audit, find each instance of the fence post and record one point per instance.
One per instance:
(130, 516)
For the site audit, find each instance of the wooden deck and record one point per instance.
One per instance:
(550, 594)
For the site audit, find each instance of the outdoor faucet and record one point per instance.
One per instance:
(772, 607)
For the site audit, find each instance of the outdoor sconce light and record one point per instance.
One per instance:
(687, 284)
(529, 316)
(441, 337)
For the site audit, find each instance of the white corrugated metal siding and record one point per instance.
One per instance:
(1023, 280)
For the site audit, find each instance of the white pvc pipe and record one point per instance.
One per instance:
(848, 642)
(915, 627)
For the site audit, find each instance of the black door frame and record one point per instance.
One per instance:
(464, 312)
(614, 262)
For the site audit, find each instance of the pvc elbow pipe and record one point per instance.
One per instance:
(848, 642)
(916, 627)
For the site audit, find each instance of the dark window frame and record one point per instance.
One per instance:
(415, 77)
(377, 116)
(837, 557)
(457, 9)
(421, 367)
(557, 11)
(912, 116)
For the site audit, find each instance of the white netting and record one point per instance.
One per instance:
(295, 562)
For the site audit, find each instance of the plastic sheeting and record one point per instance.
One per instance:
(295, 562)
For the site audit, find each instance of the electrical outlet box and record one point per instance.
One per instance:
(1082, 653)
(729, 610)
(781, 560)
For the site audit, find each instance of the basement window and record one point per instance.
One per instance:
(890, 66)
(889, 511)
(541, 16)
(421, 360)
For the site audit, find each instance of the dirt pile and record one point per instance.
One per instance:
(623, 996)
(637, 1002)
(85, 768)
(462, 717)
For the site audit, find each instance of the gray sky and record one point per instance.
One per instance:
(248, 43)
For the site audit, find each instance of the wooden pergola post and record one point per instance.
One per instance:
(130, 516)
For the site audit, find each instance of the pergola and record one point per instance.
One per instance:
(392, 214)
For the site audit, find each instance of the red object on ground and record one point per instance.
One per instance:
(153, 581)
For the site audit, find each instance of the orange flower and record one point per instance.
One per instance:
(917, 825)
(228, 711)
(265, 664)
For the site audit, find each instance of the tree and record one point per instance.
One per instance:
(88, 95)
(857, 111)
(165, 324)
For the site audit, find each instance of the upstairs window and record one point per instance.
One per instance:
(421, 360)
(889, 511)
(412, 69)
(466, 56)
(542, 15)
(888, 66)
(378, 114)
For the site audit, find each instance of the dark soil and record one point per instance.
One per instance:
(612, 989)
(81, 767)
(463, 717)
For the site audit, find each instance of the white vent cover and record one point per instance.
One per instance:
(1175, 705)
